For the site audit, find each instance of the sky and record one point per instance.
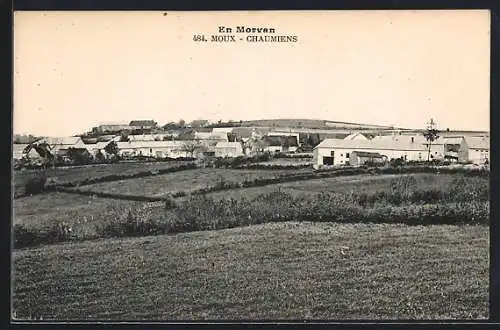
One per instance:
(75, 70)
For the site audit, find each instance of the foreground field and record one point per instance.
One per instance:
(80, 173)
(185, 181)
(272, 271)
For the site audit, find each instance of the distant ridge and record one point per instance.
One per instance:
(310, 123)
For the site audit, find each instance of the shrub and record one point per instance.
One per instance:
(36, 184)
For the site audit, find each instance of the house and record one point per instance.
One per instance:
(357, 158)
(334, 152)
(436, 147)
(111, 128)
(98, 147)
(356, 136)
(148, 137)
(158, 149)
(455, 149)
(60, 145)
(228, 149)
(18, 151)
(281, 142)
(478, 149)
(142, 124)
(199, 123)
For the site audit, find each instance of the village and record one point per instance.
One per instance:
(327, 144)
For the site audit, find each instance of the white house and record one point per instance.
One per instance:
(18, 150)
(148, 137)
(95, 148)
(228, 149)
(159, 149)
(281, 142)
(478, 148)
(436, 147)
(455, 149)
(334, 152)
(60, 145)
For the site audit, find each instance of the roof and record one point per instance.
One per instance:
(147, 137)
(142, 123)
(453, 140)
(371, 144)
(149, 144)
(18, 150)
(221, 130)
(202, 135)
(368, 154)
(62, 141)
(477, 142)
(417, 138)
(228, 145)
(355, 136)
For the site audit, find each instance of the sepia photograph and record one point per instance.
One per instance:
(250, 166)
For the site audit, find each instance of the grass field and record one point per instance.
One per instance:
(83, 213)
(161, 185)
(80, 173)
(86, 214)
(272, 271)
(358, 183)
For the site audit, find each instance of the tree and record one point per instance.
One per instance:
(124, 137)
(431, 135)
(190, 146)
(79, 156)
(182, 123)
(112, 148)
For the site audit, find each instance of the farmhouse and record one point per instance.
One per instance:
(110, 128)
(361, 157)
(149, 137)
(158, 149)
(455, 149)
(228, 149)
(98, 147)
(334, 152)
(436, 147)
(18, 150)
(281, 142)
(60, 146)
(478, 149)
(142, 124)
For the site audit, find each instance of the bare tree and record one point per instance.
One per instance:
(431, 135)
(191, 146)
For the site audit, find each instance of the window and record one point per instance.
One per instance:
(332, 153)
(346, 155)
(341, 155)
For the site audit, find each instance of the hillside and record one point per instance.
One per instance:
(309, 123)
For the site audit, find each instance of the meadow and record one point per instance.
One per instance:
(363, 183)
(365, 246)
(82, 173)
(186, 181)
(411, 199)
(271, 271)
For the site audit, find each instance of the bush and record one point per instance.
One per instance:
(36, 185)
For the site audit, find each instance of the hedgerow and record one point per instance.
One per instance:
(465, 202)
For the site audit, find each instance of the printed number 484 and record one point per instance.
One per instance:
(199, 37)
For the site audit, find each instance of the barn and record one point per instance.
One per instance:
(336, 152)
